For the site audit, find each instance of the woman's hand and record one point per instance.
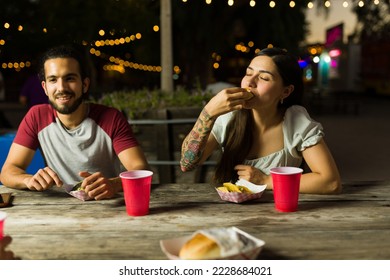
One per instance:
(228, 100)
(253, 175)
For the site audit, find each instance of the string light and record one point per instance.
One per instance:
(17, 66)
(112, 42)
(121, 64)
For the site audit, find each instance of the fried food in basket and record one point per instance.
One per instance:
(230, 187)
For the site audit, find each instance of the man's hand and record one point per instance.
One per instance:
(42, 180)
(97, 186)
(4, 253)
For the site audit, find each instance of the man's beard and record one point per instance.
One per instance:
(66, 110)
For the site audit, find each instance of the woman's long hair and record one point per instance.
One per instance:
(239, 132)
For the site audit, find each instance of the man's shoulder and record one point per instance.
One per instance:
(40, 111)
(100, 108)
(102, 113)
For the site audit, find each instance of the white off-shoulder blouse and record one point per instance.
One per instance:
(299, 132)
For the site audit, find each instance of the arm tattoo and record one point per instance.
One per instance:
(195, 142)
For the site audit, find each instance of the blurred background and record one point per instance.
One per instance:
(343, 46)
(211, 40)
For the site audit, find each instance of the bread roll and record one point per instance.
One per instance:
(200, 247)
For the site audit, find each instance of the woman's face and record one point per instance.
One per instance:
(265, 82)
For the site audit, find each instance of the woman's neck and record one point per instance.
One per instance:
(266, 119)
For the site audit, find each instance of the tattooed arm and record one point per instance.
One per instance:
(199, 143)
(194, 145)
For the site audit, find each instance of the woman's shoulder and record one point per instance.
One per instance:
(225, 117)
(219, 127)
(296, 110)
(300, 129)
(297, 115)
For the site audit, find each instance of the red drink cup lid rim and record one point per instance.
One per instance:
(286, 170)
(135, 174)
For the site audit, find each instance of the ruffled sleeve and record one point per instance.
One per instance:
(220, 125)
(300, 131)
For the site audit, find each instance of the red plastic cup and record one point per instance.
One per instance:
(3, 216)
(286, 181)
(136, 188)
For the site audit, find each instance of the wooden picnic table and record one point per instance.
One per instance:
(55, 225)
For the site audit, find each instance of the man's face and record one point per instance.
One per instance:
(63, 84)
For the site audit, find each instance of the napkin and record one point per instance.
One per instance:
(81, 194)
(229, 240)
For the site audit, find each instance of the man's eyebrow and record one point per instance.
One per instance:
(262, 71)
(67, 75)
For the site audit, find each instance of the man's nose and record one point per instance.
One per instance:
(61, 84)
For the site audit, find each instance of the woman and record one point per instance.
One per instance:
(260, 126)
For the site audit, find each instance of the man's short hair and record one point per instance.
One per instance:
(63, 51)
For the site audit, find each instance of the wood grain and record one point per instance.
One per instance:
(55, 225)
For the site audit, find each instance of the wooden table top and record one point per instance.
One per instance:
(54, 225)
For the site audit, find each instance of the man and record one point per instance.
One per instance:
(79, 140)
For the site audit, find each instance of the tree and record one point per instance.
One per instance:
(201, 30)
(374, 21)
